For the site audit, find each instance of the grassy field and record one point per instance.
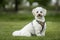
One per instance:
(10, 23)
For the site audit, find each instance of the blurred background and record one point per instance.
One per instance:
(19, 7)
(14, 14)
(26, 6)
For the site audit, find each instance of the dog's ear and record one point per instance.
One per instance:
(45, 11)
(33, 11)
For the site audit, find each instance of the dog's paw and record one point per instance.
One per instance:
(40, 34)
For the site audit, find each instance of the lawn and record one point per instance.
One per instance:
(10, 23)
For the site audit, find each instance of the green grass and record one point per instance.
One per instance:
(10, 23)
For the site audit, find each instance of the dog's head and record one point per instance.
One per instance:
(39, 12)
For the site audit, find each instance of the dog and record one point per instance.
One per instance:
(36, 27)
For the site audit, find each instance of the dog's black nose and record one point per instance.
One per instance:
(39, 15)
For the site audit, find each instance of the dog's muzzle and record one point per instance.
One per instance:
(39, 15)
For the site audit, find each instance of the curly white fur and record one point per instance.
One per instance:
(33, 27)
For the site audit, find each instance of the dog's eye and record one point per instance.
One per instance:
(40, 11)
(37, 12)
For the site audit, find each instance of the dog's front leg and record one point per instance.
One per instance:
(38, 33)
(43, 33)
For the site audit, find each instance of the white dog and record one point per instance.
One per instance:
(36, 27)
